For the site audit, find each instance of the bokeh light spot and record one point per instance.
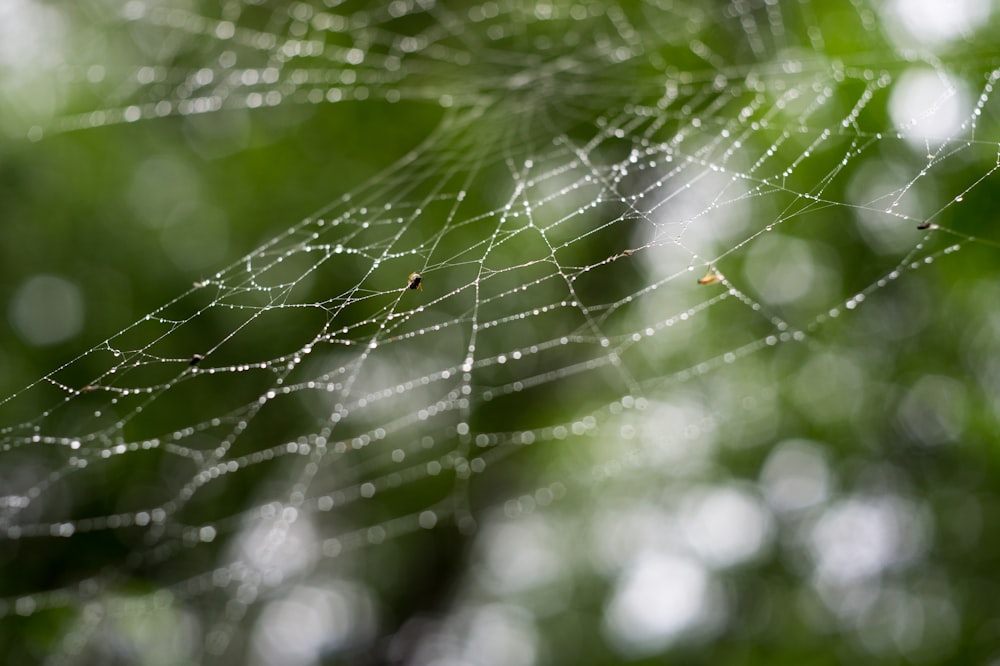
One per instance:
(47, 309)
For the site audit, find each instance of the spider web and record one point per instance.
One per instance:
(673, 261)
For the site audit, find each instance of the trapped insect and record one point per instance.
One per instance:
(413, 282)
(711, 277)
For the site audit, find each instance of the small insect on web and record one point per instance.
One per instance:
(711, 277)
(413, 282)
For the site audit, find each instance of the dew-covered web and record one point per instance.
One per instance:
(668, 253)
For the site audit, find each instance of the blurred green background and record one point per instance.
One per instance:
(795, 463)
